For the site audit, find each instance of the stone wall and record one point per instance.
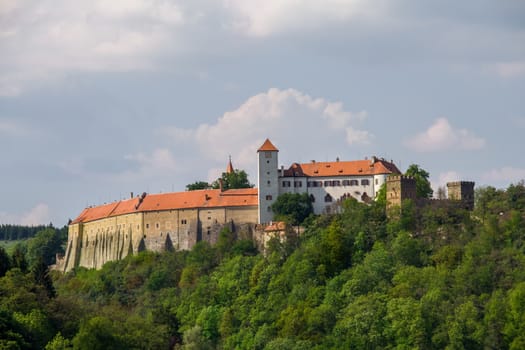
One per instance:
(94, 243)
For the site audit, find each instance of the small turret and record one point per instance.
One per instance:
(399, 188)
(462, 191)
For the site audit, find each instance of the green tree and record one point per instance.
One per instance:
(5, 261)
(197, 185)
(59, 343)
(293, 207)
(18, 257)
(236, 179)
(41, 275)
(381, 195)
(98, 333)
(44, 245)
(423, 188)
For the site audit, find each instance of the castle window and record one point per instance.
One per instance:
(312, 198)
(157, 225)
(287, 183)
(365, 182)
(327, 183)
(377, 181)
(147, 225)
(336, 183)
(267, 154)
(269, 182)
(268, 197)
(354, 182)
(328, 198)
(346, 182)
(269, 209)
(209, 217)
(183, 221)
(297, 184)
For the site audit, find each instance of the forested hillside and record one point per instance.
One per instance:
(439, 278)
(17, 232)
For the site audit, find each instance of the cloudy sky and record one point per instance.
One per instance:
(101, 98)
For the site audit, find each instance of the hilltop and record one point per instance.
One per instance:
(432, 279)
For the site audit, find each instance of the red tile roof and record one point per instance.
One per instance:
(267, 146)
(208, 198)
(342, 168)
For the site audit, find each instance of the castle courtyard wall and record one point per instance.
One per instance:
(92, 244)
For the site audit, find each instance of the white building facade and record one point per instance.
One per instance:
(327, 183)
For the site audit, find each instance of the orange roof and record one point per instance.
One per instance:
(208, 198)
(267, 146)
(356, 167)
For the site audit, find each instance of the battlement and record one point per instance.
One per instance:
(392, 178)
(460, 183)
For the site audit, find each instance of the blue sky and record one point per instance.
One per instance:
(101, 98)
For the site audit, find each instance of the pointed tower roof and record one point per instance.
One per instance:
(267, 146)
(229, 168)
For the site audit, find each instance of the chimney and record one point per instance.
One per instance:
(131, 195)
(221, 185)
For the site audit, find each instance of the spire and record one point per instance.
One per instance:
(229, 168)
(267, 146)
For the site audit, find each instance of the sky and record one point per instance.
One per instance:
(102, 98)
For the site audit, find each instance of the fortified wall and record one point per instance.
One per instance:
(400, 188)
(158, 222)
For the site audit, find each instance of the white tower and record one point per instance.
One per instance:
(267, 180)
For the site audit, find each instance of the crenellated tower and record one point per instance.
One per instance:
(399, 188)
(462, 191)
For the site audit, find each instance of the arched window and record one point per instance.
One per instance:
(328, 198)
(312, 198)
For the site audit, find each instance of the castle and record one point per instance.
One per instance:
(177, 221)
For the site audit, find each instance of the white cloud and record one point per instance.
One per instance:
(264, 18)
(505, 175)
(39, 215)
(44, 40)
(510, 69)
(443, 178)
(354, 136)
(289, 117)
(161, 160)
(441, 136)
(9, 128)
